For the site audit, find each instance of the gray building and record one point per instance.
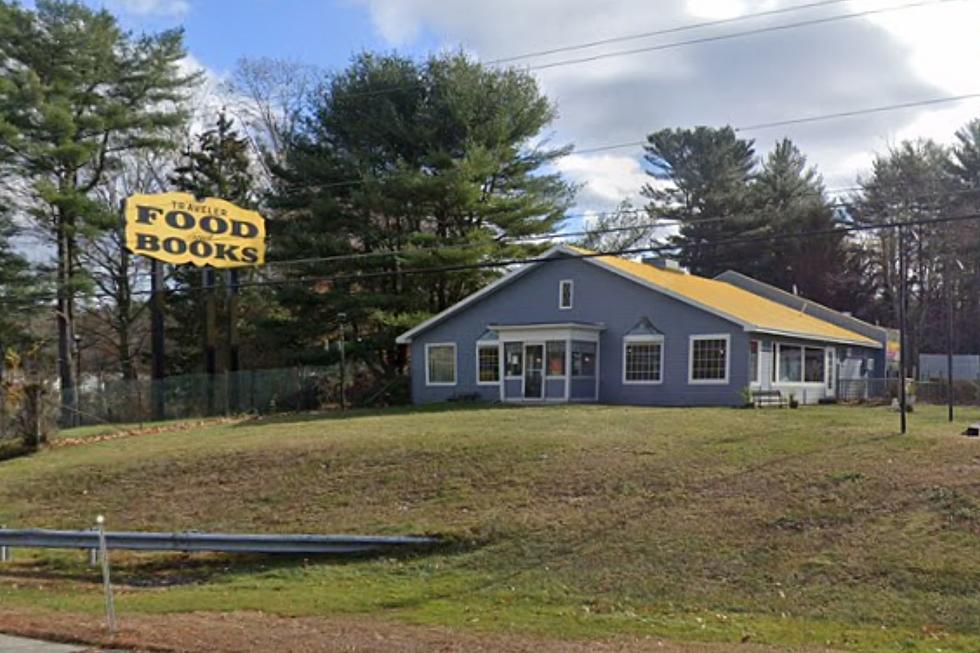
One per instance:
(575, 327)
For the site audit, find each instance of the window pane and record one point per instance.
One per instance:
(488, 357)
(583, 358)
(814, 365)
(708, 360)
(790, 364)
(754, 361)
(514, 358)
(566, 294)
(556, 357)
(442, 364)
(643, 361)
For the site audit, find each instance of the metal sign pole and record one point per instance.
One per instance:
(902, 338)
(157, 338)
(110, 604)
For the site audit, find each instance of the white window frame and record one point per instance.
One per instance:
(503, 355)
(488, 344)
(428, 381)
(644, 340)
(727, 337)
(758, 361)
(547, 374)
(777, 348)
(561, 294)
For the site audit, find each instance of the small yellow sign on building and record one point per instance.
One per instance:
(177, 228)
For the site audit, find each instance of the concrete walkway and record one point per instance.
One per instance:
(20, 645)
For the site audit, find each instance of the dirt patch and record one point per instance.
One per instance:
(148, 430)
(252, 631)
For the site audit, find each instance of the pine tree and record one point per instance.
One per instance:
(77, 93)
(447, 161)
(703, 177)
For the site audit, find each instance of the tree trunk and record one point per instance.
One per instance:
(65, 312)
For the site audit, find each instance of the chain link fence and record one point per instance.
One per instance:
(265, 391)
(934, 391)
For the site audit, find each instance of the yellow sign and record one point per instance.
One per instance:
(177, 228)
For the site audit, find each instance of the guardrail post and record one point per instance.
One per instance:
(4, 550)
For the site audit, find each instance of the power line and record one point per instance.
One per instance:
(661, 32)
(633, 251)
(725, 37)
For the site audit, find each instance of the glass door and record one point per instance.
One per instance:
(534, 371)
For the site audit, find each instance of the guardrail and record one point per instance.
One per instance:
(211, 542)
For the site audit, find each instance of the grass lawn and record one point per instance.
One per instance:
(819, 526)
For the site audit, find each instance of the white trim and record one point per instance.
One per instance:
(547, 374)
(777, 347)
(406, 337)
(542, 332)
(758, 361)
(690, 358)
(814, 338)
(513, 377)
(648, 340)
(430, 345)
(561, 294)
(486, 344)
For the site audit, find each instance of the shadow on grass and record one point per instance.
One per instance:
(360, 413)
(161, 570)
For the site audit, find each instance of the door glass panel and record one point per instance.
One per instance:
(534, 371)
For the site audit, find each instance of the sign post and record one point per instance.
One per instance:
(210, 233)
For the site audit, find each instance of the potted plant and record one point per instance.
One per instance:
(793, 403)
(746, 394)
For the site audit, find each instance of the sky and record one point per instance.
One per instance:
(917, 53)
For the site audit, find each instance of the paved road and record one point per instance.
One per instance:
(20, 645)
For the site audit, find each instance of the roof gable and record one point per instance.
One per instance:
(750, 311)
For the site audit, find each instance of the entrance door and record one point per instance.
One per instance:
(534, 371)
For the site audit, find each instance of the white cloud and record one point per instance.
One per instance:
(165, 8)
(889, 58)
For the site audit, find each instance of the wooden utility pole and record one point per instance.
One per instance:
(902, 339)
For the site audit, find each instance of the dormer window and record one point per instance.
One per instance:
(565, 294)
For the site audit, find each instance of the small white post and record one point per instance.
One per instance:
(110, 606)
(4, 550)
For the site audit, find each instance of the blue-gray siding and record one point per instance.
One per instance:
(599, 296)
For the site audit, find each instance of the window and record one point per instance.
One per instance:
(790, 364)
(583, 358)
(754, 360)
(813, 365)
(642, 360)
(709, 359)
(556, 357)
(565, 292)
(440, 364)
(513, 359)
(487, 364)
(831, 354)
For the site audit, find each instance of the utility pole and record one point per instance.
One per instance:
(949, 339)
(902, 354)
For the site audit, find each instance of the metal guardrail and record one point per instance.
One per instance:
(211, 542)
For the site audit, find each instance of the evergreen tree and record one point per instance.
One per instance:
(703, 177)
(788, 197)
(448, 167)
(77, 93)
(218, 164)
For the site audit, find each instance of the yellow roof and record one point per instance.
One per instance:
(754, 311)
